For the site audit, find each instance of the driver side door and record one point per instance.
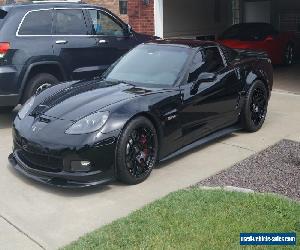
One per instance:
(111, 36)
(210, 104)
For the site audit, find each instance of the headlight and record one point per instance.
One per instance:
(88, 124)
(26, 107)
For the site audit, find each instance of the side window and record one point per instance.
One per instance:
(70, 22)
(213, 60)
(104, 25)
(229, 54)
(37, 23)
(196, 67)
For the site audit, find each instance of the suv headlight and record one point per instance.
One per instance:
(26, 108)
(88, 124)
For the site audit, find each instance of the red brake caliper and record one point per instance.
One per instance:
(143, 141)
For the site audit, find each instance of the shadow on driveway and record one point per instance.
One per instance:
(6, 118)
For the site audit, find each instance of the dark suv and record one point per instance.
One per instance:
(44, 43)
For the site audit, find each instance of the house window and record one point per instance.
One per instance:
(123, 7)
(235, 11)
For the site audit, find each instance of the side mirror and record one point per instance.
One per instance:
(269, 38)
(203, 77)
(128, 30)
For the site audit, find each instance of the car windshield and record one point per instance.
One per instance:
(248, 32)
(150, 64)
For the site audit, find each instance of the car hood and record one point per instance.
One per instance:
(83, 98)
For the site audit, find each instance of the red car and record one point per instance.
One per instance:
(280, 46)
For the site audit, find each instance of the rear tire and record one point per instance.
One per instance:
(37, 84)
(255, 108)
(136, 152)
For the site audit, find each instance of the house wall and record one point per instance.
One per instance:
(141, 16)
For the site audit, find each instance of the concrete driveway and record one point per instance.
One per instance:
(287, 78)
(33, 216)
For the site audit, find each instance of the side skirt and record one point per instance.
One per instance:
(216, 135)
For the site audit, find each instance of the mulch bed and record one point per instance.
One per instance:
(274, 170)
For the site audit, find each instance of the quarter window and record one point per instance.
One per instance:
(70, 22)
(37, 23)
(213, 59)
(104, 25)
(229, 54)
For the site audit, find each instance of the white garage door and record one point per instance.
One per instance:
(192, 18)
(257, 12)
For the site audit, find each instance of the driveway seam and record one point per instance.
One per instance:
(237, 146)
(22, 232)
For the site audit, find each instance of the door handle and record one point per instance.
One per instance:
(102, 41)
(61, 42)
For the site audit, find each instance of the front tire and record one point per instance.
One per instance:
(255, 109)
(38, 83)
(136, 152)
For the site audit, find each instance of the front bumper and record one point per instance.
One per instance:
(62, 179)
(51, 163)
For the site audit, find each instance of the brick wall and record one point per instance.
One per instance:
(141, 16)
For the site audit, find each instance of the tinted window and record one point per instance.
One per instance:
(70, 22)
(104, 25)
(37, 23)
(197, 67)
(213, 60)
(3, 14)
(151, 65)
(249, 32)
(229, 54)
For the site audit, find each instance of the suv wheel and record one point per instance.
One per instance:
(38, 83)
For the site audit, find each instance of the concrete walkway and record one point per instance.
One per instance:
(34, 216)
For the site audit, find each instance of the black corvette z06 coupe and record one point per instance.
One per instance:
(159, 100)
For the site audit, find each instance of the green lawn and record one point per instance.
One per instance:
(197, 219)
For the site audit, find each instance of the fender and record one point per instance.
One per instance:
(124, 111)
(257, 74)
(31, 66)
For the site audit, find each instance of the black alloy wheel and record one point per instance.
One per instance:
(137, 151)
(258, 105)
(255, 109)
